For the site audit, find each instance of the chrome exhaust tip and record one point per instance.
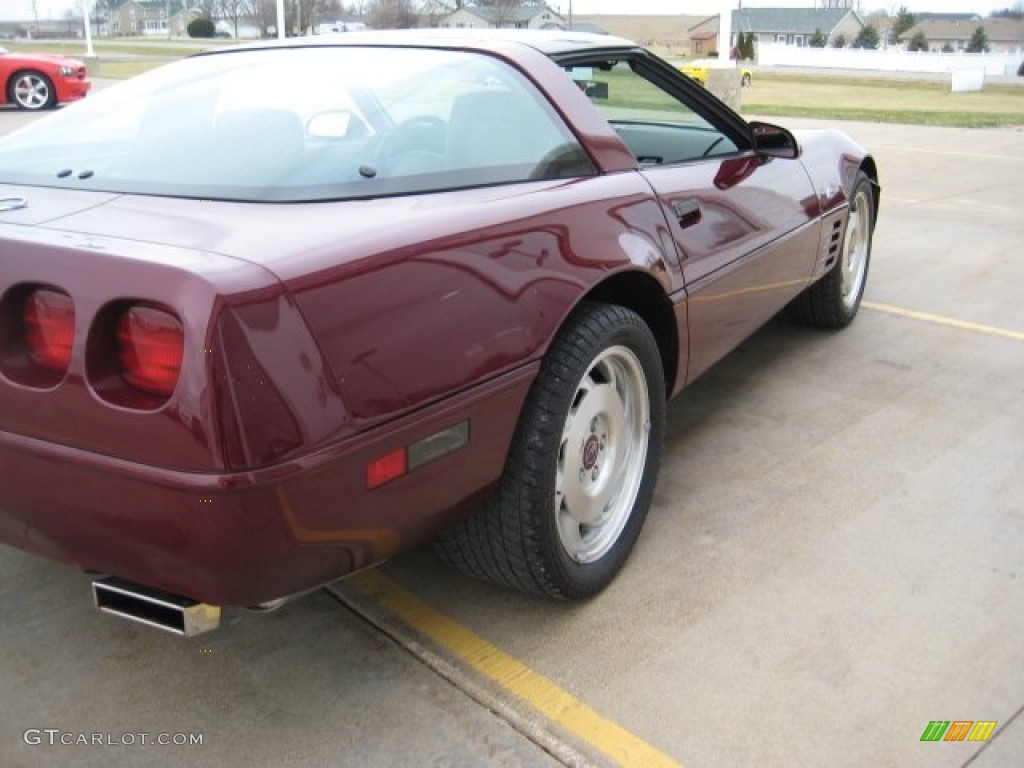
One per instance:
(155, 608)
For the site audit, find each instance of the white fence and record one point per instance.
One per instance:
(890, 60)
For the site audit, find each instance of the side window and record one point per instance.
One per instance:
(481, 120)
(658, 128)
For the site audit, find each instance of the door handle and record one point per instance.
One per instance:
(687, 211)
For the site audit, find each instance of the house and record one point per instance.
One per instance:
(243, 30)
(704, 37)
(501, 17)
(786, 26)
(149, 18)
(943, 34)
(180, 22)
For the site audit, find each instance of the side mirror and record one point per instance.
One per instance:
(773, 141)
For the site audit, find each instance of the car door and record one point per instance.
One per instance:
(745, 225)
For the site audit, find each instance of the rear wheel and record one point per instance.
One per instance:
(833, 301)
(31, 90)
(582, 466)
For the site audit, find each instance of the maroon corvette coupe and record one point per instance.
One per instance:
(272, 314)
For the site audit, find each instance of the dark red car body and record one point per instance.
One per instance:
(67, 87)
(322, 336)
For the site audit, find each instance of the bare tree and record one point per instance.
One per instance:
(1015, 12)
(206, 9)
(103, 11)
(391, 14)
(504, 10)
(302, 15)
(232, 11)
(264, 15)
(74, 21)
(432, 11)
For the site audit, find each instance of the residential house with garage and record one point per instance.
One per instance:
(139, 18)
(503, 16)
(785, 26)
(954, 34)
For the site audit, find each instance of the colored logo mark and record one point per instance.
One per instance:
(958, 730)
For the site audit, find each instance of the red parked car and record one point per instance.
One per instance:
(273, 314)
(41, 80)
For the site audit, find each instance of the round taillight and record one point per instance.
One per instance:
(49, 318)
(150, 343)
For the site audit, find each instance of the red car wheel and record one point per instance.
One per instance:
(32, 90)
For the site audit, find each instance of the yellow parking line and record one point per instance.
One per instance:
(949, 322)
(512, 675)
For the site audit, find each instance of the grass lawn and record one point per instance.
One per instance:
(883, 101)
(122, 70)
(122, 46)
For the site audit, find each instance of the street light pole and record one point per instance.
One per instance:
(725, 31)
(86, 12)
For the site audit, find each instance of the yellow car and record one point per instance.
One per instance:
(698, 70)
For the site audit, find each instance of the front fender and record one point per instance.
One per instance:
(832, 161)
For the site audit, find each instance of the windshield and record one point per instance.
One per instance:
(291, 124)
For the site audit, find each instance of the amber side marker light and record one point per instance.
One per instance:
(403, 460)
(150, 344)
(49, 318)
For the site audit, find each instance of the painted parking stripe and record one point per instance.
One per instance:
(512, 675)
(949, 322)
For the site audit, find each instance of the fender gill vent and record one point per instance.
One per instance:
(834, 242)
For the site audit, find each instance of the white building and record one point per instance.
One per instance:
(519, 17)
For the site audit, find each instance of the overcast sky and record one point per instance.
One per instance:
(14, 10)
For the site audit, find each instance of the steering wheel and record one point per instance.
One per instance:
(416, 145)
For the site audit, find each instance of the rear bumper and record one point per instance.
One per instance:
(247, 538)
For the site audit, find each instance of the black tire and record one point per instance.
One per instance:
(31, 90)
(833, 301)
(573, 456)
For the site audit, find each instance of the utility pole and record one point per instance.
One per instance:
(86, 12)
(725, 30)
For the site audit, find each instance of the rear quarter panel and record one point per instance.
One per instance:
(457, 288)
